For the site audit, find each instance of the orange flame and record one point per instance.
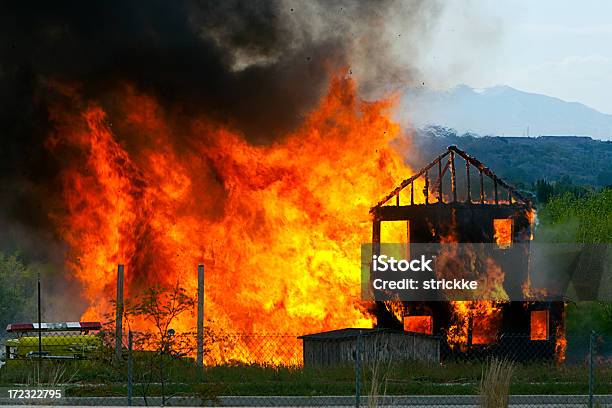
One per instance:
(530, 292)
(503, 232)
(482, 317)
(560, 344)
(418, 324)
(539, 325)
(278, 227)
(476, 322)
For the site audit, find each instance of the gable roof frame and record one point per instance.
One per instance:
(514, 197)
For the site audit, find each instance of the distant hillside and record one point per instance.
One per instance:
(505, 111)
(523, 160)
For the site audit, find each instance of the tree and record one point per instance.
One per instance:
(604, 178)
(584, 220)
(17, 290)
(161, 307)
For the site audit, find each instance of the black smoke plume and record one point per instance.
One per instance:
(258, 66)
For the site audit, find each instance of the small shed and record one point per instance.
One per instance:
(338, 347)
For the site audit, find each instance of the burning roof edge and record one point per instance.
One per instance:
(451, 151)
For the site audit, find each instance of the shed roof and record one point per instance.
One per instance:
(351, 332)
(336, 334)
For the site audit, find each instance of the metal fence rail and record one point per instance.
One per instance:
(248, 369)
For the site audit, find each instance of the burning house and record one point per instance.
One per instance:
(484, 210)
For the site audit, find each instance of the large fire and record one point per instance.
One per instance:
(278, 227)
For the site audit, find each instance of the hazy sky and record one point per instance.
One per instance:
(558, 48)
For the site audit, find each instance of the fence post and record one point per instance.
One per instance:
(200, 352)
(130, 383)
(591, 374)
(358, 351)
(39, 328)
(119, 314)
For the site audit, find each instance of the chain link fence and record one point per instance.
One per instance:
(278, 370)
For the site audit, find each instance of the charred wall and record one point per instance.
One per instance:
(474, 223)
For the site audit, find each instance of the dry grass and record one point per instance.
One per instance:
(380, 366)
(53, 376)
(379, 372)
(495, 383)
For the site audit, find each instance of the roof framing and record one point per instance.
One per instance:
(451, 153)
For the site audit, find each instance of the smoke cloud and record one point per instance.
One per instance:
(258, 66)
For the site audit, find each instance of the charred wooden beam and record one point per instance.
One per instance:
(419, 211)
(409, 180)
(376, 231)
(440, 181)
(467, 177)
(482, 195)
(453, 176)
(376, 235)
(476, 163)
(426, 188)
(470, 329)
(495, 190)
(441, 175)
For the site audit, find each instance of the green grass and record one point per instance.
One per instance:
(96, 378)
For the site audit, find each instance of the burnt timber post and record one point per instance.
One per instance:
(482, 194)
(440, 197)
(467, 179)
(376, 235)
(453, 176)
(200, 345)
(119, 314)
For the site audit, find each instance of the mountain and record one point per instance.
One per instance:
(502, 110)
